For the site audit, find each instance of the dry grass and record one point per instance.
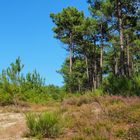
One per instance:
(96, 118)
(103, 118)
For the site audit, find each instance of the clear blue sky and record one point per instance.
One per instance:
(26, 31)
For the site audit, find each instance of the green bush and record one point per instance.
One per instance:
(5, 99)
(136, 87)
(34, 97)
(46, 124)
(126, 86)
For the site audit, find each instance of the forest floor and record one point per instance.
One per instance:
(88, 118)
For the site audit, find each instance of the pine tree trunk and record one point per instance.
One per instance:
(94, 83)
(128, 57)
(101, 55)
(116, 65)
(98, 81)
(87, 70)
(94, 71)
(122, 63)
(71, 53)
(101, 63)
(70, 60)
(116, 62)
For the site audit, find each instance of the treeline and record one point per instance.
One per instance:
(104, 55)
(104, 48)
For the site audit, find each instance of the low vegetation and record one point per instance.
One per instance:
(46, 124)
(95, 118)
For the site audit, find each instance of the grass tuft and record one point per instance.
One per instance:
(46, 124)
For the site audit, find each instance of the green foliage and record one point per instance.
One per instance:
(13, 72)
(120, 85)
(34, 97)
(16, 87)
(97, 92)
(43, 96)
(46, 124)
(65, 22)
(11, 80)
(5, 99)
(123, 85)
(33, 81)
(136, 85)
(77, 81)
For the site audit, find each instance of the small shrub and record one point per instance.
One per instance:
(83, 100)
(43, 125)
(133, 133)
(88, 131)
(96, 93)
(120, 133)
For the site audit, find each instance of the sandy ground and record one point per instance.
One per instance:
(12, 123)
(12, 126)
